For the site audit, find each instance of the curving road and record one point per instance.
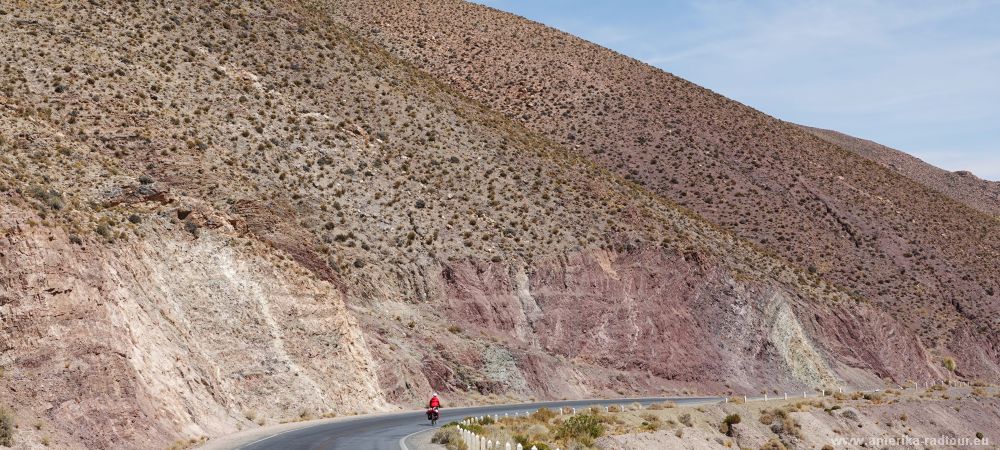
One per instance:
(389, 431)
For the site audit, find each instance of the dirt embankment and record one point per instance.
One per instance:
(911, 419)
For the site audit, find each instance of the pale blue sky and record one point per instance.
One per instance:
(919, 76)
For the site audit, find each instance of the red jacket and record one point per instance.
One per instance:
(435, 403)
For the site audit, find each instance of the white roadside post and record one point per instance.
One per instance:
(520, 447)
(765, 396)
(507, 447)
(786, 396)
(803, 394)
(744, 399)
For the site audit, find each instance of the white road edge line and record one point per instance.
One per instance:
(402, 442)
(269, 437)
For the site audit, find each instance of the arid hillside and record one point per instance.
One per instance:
(963, 187)
(924, 257)
(216, 215)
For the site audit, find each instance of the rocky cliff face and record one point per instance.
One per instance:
(219, 214)
(168, 335)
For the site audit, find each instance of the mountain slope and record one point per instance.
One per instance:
(920, 255)
(216, 215)
(962, 187)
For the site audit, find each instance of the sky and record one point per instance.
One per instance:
(918, 76)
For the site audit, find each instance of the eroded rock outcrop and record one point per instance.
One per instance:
(169, 335)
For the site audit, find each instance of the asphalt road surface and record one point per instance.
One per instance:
(387, 432)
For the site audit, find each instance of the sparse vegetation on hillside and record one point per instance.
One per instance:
(6, 428)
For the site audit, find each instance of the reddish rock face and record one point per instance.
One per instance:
(662, 320)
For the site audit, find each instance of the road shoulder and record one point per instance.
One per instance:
(421, 441)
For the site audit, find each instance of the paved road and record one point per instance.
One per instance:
(385, 432)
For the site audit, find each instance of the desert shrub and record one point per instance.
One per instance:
(781, 422)
(475, 428)
(685, 419)
(486, 420)
(873, 397)
(949, 363)
(104, 231)
(651, 422)
(728, 422)
(51, 198)
(773, 444)
(192, 228)
(450, 437)
(6, 428)
(583, 428)
(665, 405)
(544, 415)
